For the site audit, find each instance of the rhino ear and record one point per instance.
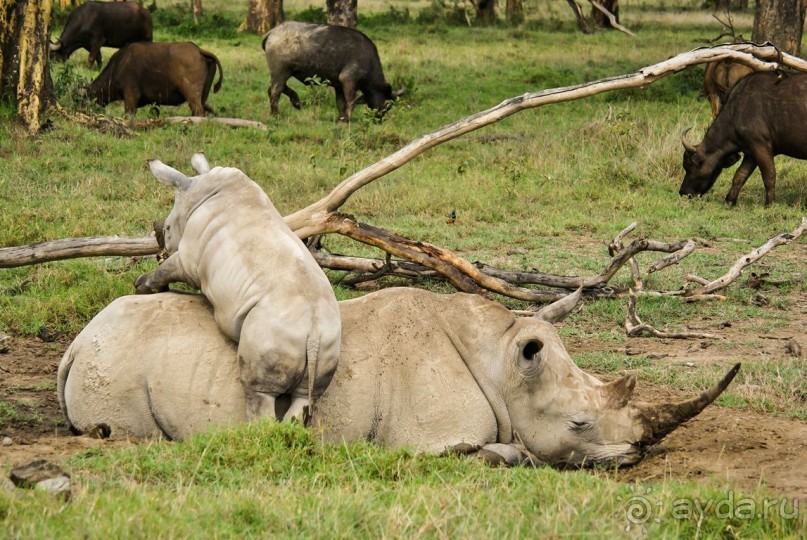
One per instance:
(199, 163)
(168, 175)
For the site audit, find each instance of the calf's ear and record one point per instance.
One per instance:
(168, 175)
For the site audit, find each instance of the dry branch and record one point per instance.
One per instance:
(73, 248)
(232, 122)
(636, 327)
(737, 268)
(602, 9)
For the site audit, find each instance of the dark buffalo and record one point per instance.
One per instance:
(102, 24)
(344, 57)
(719, 78)
(161, 73)
(765, 115)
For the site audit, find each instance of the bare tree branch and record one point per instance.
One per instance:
(636, 327)
(737, 268)
(73, 248)
(611, 18)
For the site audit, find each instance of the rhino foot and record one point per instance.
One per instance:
(143, 286)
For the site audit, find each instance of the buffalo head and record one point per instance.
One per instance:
(702, 167)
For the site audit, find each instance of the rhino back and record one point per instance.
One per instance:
(250, 257)
(175, 380)
(400, 381)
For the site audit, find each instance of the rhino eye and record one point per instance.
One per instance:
(532, 348)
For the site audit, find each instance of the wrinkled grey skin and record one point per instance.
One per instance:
(764, 116)
(344, 57)
(418, 369)
(225, 237)
(93, 25)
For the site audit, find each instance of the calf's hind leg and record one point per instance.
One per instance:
(272, 362)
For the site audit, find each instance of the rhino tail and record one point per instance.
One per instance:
(61, 381)
(98, 431)
(210, 56)
(312, 358)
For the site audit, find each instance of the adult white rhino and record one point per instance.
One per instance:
(418, 369)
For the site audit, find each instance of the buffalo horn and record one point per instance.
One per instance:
(687, 146)
(557, 311)
(399, 92)
(662, 419)
(55, 46)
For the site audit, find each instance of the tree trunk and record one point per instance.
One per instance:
(730, 5)
(601, 19)
(342, 12)
(196, 8)
(781, 22)
(485, 11)
(514, 11)
(63, 4)
(263, 15)
(24, 70)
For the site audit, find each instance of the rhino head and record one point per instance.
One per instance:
(185, 198)
(549, 407)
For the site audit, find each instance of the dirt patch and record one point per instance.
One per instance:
(724, 446)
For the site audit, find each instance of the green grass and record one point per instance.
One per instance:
(546, 189)
(269, 479)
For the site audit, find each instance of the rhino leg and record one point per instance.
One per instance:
(170, 271)
(505, 454)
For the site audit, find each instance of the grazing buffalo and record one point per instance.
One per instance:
(344, 57)
(158, 73)
(719, 78)
(765, 115)
(225, 237)
(102, 24)
(427, 371)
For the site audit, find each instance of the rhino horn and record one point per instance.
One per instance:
(687, 145)
(557, 311)
(55, 46)
(199, 163)
(168, 175)
(662, 419)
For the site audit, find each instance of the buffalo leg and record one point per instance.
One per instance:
(197, 109)
(768, 171)
(740, 176)
(95, 54)
(293, 97)
(341, 105)
(349, 96)
(169, 271)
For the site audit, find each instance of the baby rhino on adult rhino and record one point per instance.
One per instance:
(225, 237)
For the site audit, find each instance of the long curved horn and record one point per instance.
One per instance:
(687, 146)
(399, 92)
(55, 46)
(557, 311)
(660, 420)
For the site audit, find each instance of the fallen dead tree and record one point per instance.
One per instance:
(417, 259)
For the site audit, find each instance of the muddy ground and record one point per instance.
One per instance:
(729, 447)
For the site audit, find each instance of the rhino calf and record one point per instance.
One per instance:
(225, 237)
